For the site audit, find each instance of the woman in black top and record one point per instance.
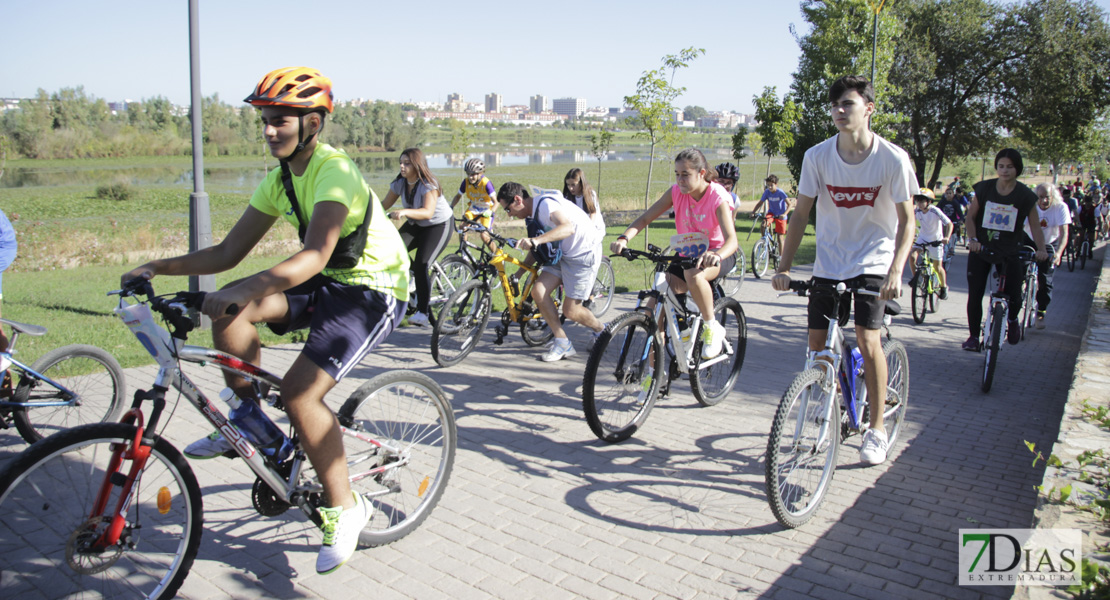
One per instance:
(995, 220)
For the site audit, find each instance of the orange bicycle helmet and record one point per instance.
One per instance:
(297, 87)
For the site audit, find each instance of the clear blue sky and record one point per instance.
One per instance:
(132, 49)
(135, 49)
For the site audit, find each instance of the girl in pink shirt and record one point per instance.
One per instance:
(702, 206)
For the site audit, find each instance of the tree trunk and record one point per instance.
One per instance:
(768, 174)
(647, 189)
(599, 178)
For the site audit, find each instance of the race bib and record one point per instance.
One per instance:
(689, 245)
(1000, 217)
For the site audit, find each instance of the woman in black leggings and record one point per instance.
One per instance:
(429, 224)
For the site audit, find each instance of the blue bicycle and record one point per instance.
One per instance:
(810, 424)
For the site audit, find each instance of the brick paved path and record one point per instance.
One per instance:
(539, 508)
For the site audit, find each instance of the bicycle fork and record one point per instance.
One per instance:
(137, 452)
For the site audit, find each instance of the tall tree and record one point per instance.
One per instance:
(599, 146)
(839, 44)
(1064, 85)
(693, 113)
(777, 121)
(653, 103)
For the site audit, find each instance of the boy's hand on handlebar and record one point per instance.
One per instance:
(524, 247)
(618, 246)
(780, 282)
(891, 288)
(145, 271)
(223, 303)
(1041, 256)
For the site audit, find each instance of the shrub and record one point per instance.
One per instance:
(121, 191)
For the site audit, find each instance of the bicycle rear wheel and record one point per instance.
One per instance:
(802, 449)
(712, 383)
(605, 284)
(410, 416)
(461, 324)
(622, 377)
(49, 491)
(453, 272)
(760, 258)
(992, 345)
(920, 295)
(897, 389)
(89, 372)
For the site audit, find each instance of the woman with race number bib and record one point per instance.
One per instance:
(703, 217)
(995, 221)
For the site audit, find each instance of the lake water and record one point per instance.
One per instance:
(246, 178)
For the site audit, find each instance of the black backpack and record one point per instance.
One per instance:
(546, 254)
(348, 250)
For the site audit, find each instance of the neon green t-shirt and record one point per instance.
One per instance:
(332, 176)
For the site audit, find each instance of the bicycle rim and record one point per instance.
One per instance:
(622, 378)
(453, 273)
(601, 297)
(934, 290)
(409, 414)
(87, 371)
(711, 384)
(47, 494)
(759, 259)
(897, 388)
(918, 300)
(992, 346)
(802, 449)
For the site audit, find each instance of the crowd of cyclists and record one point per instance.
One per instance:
(349, 284)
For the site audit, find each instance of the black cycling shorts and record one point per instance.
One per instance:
(869, 309)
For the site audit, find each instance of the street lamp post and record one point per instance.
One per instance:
(875, 38)
(200, 221)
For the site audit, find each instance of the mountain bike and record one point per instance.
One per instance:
(466, 313)
(1029, 292)
(992, 331)
(766, 251)
(925, 283)
(811, 423)
(640, 353)
(113, 509)
(65, 387)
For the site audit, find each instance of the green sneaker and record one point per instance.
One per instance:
(341, 528)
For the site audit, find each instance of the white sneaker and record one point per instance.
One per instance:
(210, 447)
(873, 450)
(560, 349)
(713, 339)
(341, 528)
(419, 319)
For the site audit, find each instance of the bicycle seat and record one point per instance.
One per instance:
(893, 308)
(35, 330)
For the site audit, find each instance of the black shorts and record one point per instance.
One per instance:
(869, 309)
(727, 263)
(345, 322)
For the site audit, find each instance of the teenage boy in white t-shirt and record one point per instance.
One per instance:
(862, 186)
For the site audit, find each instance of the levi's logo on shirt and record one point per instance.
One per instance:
(851, 197)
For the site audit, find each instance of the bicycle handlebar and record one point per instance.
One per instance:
(476, 226)
(804, 288)
(655, 254)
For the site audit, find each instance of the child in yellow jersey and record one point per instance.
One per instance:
(480, 191)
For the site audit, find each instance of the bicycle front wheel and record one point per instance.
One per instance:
(1029, 301)
(802, 449)
(934, 290)
(622, 377)
(992, 345)
(91, 374)
(760, 258)
(919, 295)
(735, 278)
(1084, 250)
(52, 528)
(897, 389)
(1069, 255)
(711, 380)
(605, 284)
(404, 477)
(453, 272)
(461, 324)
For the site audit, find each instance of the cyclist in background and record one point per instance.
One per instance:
(862, 185)
(701, 205)
(1088, 220)
(349, 295)
(8, 247)
(935, 226)
(582, 194)
(954, 211)
(995, 221)
(429, 224)
(727, 176)
(480, 192)
(1055, 219)
(778, 206)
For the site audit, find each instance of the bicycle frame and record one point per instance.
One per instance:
(7, 361)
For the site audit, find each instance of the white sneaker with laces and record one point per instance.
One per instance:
(211, 446)
(419, 319)
(341, 528)
(713, 339)
(560, 349)
(873, 450)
